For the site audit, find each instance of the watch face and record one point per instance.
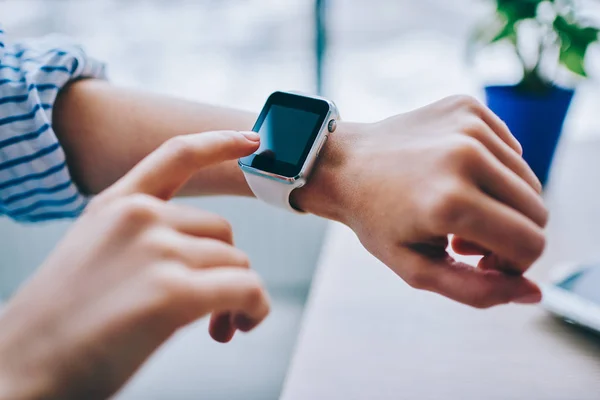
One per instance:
(288, 126)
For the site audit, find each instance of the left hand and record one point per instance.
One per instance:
(406, 183)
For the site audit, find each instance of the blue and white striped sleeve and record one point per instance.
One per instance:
(35, 184)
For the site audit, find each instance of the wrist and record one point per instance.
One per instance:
(24, 374)
(17, 383)
(326, 192)
(17, 389)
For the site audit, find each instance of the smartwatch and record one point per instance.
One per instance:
(293, 129)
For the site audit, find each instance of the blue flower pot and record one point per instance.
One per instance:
(536, 120)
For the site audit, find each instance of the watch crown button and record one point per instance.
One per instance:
(332, 125)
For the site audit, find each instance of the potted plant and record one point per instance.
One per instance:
(548, 38)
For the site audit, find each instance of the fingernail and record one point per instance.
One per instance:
(252, 136)
(244, 323)
(529, 299)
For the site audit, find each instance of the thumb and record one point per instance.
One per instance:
(167, 169)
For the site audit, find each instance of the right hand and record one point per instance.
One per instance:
(130, 273)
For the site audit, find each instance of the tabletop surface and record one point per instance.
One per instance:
(367, 335)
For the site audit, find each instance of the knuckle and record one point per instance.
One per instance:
(447, 209)
(545, 218)
(504, 126)
(157, 243)
(466, 102)
(474, 127)
(224, 140)
(535, 248)
(543, 213)
(464, 149)
(465, 154)
(180, 148)
(419, 279)
(222, 228)
(517, 145)
(254, 294)
(138, 209)
(167, 284)
(240, 258)
(227, 137)
(96, 204)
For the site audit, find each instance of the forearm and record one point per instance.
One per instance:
(106, 130)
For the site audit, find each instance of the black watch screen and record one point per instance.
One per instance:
(288, 126)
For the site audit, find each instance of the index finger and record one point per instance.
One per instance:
(467, 285)
(167, 169)
(492, 225)
(500, 128)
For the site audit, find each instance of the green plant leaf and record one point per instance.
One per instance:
(576, 33)
(508, 31)
(509, 14)
(574, 62)
(574, 42)
(572, 37)
(518, 10)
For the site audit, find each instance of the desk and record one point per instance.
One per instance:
(367, 335)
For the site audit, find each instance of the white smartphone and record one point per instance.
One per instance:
(574, 294)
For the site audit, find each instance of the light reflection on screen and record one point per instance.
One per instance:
(585, 283)
(285, 133)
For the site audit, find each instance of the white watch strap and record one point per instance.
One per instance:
(272, 192)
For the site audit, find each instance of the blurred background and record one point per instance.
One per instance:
(380, 58)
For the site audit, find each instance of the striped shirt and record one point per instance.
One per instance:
(35, 184)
